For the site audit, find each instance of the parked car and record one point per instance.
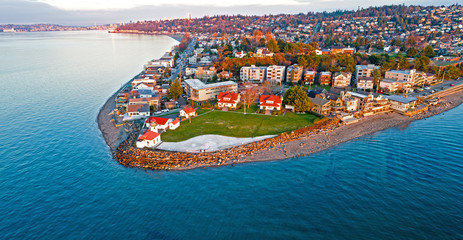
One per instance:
(451, 85)
(158, 112)
(164, 110)
(427, 88)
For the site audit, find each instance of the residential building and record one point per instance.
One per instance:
(188, 112)
(270, 102)
(342, 79)
(422, 78)
(320, 106)
(205, 73)
(392, 85)
(253, 73)
(294, 73)
(228, 100)
(174, 124)
(157, 124)
(199, 91)
(309, 77)
(263, 52)
(402, 104)
(324, 78)
(149, 139)
(136, 111)
(364, 70)
(276, 73)
(402, 75)
(364, 83)
(240, 54)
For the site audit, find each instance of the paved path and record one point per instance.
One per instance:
(209, 143)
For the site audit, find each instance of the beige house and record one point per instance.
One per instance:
(342, 79)
(364, 70)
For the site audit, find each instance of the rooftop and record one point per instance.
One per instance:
(198, 84)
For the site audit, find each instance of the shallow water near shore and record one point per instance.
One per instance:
(58, 179)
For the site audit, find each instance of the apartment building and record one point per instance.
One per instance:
(196, 90)
(276, 73)
(294, 73)
(364, 70)
(253, 73)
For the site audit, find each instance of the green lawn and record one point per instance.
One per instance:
(235, 124)
(251, 109)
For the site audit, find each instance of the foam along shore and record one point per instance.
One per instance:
(298, 143)
(208, 143)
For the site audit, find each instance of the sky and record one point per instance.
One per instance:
(89, 12)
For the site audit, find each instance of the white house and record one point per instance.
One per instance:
(157, 124)
(188, 112)
(149, 139)
(270, 102)
(174, 124)
(228, 99)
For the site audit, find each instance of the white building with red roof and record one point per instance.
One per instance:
(174, 124)
(188, 112)
(228, 99)
(149, 139)
(158, 124)
(270, 102)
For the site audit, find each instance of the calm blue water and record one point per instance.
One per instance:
(58, 180)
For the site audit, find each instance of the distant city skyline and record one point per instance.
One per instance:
(89, 12)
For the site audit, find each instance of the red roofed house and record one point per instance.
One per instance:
(270, 102)
(228, 99)
(157, 124)
(174, 124)
(188, 112)
(149, 139)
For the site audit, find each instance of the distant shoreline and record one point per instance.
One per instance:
(177, 37)
(298, 143)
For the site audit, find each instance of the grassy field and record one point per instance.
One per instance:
(236, 124)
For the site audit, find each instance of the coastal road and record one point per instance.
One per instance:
(182, 61)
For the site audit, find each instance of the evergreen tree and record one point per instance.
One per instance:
(411, 52)
(297, 97)
(428, 51)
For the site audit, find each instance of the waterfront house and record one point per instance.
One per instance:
(270, 102)
(157, 124)
(149, 139)
(188, 112)
(320, 106)
(402, 104)
(174, 124)
(136, 111)
(228, 100)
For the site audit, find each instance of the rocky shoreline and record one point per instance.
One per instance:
(301, 142)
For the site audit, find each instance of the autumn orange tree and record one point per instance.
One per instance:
(249, 95)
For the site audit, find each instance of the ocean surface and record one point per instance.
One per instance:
(59, 181)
